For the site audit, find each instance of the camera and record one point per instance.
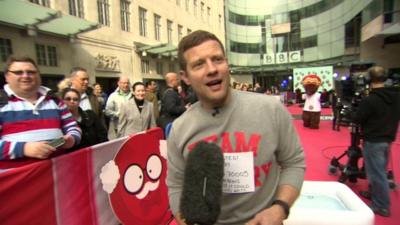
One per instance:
(350, 94)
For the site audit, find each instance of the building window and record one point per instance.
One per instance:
(250, 48)
(189, 31)
(295, 41)
(187, 5)
(388, 11)
(247, 20)
(353, 32)
(103, 8)
(145, 66)
(125, 15)
(219, 20)
(195, 7)
(46, 55)
(157, 27)
(281, 43)
(5, 49)
(202, 10)
(41, 2)
(169, 31)
(309, 42)
(159, 68)
(76, 8)
(178, 2)
(52, 55)
(393, 39)
(171, 67)
(180, 32)
(41, 54)
(142, 22)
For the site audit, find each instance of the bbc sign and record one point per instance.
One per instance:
(282, 57)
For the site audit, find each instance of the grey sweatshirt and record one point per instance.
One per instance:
(248, 122)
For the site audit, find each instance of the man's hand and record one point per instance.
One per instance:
(69, 142)
(39, 150)
(274, 215)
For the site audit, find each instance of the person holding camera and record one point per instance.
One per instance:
(378, 115)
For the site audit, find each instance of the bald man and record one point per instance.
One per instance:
(114, 102)
(172, 105)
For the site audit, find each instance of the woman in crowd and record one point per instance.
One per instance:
(136, 114)
(93, 131)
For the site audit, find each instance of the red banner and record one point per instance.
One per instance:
(120, 181)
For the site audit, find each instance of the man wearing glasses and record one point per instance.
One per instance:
(31, 119)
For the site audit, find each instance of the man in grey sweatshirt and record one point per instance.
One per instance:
(252, 128)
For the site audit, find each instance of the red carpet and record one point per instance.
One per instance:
(323, 144)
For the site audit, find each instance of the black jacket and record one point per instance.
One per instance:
(172, 106)
(378, 114)
(93, 131)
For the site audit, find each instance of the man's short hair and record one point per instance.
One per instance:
(194, 39)
(12, 59)
(377, 74)
(76, 69)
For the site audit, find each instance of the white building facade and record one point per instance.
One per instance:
(137, 38)
(267, 39)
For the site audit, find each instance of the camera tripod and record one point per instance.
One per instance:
(351, 171)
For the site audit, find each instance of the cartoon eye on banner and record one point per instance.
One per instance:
(135, 180)
(324, 73)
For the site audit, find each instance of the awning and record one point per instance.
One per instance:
(159, 50)
(36, 18)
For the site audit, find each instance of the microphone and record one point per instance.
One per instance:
(216, 111)
(200, 202)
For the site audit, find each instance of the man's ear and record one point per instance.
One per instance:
(184, 77)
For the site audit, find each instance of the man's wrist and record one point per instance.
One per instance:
(284, 205)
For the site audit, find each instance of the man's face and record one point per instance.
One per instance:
(124, 85)
(80, 81)
(23, 78)
(174, 80)
(207, 72)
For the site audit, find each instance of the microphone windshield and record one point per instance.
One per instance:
(202, 188)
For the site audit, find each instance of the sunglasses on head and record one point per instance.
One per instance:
(21, 72)
(71, 99)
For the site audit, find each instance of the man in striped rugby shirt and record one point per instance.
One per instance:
(31, 118)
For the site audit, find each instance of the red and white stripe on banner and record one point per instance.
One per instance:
(68, 190)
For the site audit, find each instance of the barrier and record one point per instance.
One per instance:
(69, 189)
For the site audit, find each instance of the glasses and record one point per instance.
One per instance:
(68, 99)
(21, 72)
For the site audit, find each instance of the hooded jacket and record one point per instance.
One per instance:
(378, 114)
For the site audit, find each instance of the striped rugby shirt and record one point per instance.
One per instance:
(22, 121)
